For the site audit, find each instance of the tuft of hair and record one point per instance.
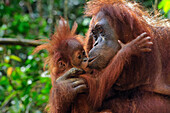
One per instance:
(55, 45)
(94, 6)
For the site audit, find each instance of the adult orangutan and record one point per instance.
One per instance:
(144, 84)
(66, 51)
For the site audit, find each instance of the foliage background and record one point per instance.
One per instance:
(24, 85)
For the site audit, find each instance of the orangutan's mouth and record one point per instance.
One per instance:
(92, 59)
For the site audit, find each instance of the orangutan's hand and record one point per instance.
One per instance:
(141, 44)
(70, 85)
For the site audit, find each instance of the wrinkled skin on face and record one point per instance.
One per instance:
(78, 55)
(73, 51)
(105, 42)
(76, 52)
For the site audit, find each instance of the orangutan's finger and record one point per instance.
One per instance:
(80, 89)
(71, 80)
(121, 44)
(144, 40)
(146, 49)
(141, 36)
(71, 73)
(146, 44)
(77, 83)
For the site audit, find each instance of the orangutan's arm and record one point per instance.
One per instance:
(109, 75)
(137, 46)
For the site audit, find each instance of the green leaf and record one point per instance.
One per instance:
(4, 27)
(2, 92)
(4, 81)
(16, 58)
(165, 5)
(8, 98)
(18, 47)
(161, 4)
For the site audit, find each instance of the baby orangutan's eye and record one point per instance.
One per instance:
(79, 56)
(84, 53)
(61, 64)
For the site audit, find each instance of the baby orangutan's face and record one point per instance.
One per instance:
(78, 55)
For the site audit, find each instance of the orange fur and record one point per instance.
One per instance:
(124, 73)
(55, 46)
(129, 21)
(57, 49)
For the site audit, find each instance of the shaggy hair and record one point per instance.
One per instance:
(129, 21)
(57, 46)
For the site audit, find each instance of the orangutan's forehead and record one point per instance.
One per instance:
(96, 18)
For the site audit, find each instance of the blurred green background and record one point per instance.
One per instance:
(24, 85)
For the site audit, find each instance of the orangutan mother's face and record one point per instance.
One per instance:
(105, 44)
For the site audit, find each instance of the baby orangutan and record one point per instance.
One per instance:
(65, 52)
(67, 60)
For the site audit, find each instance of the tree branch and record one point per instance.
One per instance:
(28, 5)
(39, 7)
(22, 42)
(65, 9)
(155, 7)
(51, 17)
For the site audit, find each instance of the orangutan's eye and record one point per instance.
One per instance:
(94, 35)
(79, 56)
(99, 28)
(84, 53)
(97, 31)
(61, 64)
(94, 31)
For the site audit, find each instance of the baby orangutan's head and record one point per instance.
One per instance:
(65, 49)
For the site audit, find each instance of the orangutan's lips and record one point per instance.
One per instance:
(92, 59)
